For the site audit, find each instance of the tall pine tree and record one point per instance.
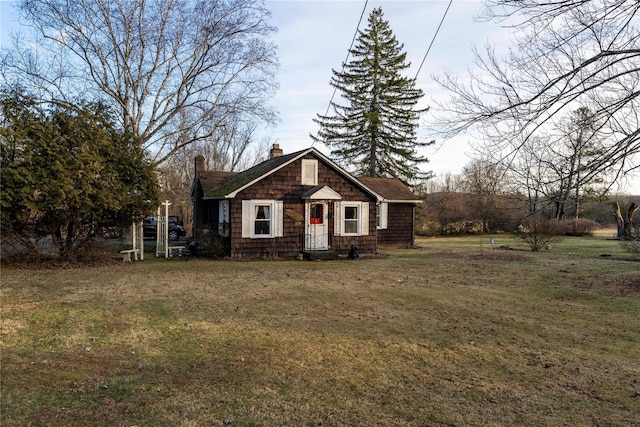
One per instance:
(375, 132)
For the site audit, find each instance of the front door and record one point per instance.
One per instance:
(317, 228)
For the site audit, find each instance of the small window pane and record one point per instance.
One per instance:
(316, 215)
(262, 212)
(309, 172)
(262, 227)
(350, 212)
(351, 227)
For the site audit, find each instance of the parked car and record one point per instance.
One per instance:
(176, 230)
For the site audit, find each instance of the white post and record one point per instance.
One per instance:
(133, 235)
(162, 230)
(158, 234)
(140, 228)
(166, 228)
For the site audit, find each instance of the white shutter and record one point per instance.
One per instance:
(384, 212)
(364, 222)
(337, 219)
(278, 218)
(246, 218)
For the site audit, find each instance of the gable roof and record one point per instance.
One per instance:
(210, 180)
(321, 192)
(228, 187)
(391, 189)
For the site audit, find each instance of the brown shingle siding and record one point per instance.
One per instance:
(399, 231)
(285, 184)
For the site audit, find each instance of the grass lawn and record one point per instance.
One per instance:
(455, 333)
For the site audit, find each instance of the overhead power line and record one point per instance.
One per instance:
(355, 34)
(434, 38)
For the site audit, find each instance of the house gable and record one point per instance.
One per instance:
(234, 185)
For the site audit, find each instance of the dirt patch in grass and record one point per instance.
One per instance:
(625, 285)
(499, 255)
(54, 264)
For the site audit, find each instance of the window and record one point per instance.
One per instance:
(309, 172)
(223, 218)
(316, 216)
(351, 218)
(381, 216)
(262, 218)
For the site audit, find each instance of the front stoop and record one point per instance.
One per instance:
(319, 255)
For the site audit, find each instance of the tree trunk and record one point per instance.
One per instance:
(629, 220)
(624, 223)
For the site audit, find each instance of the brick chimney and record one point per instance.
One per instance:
(199, 165)
(276, 151)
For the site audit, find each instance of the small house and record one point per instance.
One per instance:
(298, 203)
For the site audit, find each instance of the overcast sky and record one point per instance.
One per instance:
(314, 37)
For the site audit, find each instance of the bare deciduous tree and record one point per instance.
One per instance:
(175, 70)
(230, 148)
(570, 161)
(567, 54)
(539, 233)
(482, 181)
(555, 170)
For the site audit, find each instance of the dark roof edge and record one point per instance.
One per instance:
(294, 157)
(349, 176)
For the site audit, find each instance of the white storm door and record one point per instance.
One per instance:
(316, 226)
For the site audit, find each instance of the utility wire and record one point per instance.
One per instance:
(434, 38)
(348, 52)
(355, 34)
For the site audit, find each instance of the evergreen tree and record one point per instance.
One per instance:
(375, 132)
(65, 173)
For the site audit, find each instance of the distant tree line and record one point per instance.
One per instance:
(487, 198)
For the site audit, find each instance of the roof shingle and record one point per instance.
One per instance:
(392, 189)
(238, 180)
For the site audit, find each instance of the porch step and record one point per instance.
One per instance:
(319, 255)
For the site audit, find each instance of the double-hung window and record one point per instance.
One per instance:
(262, 218)
(309, 172)
(351, 218)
